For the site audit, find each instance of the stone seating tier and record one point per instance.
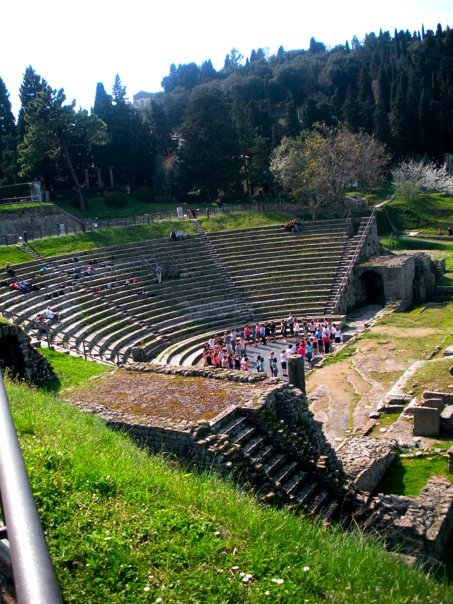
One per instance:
(297, 278)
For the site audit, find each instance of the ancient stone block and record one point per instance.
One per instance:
(426, 421)
(433, 403)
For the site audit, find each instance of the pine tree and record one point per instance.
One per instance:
(8, 167)
(32, 85)
(102, 102)
(55, 134)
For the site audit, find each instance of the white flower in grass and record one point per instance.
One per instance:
(278, 581)
(159, 601)
(306, 569)
(246, 577)
(147, 588)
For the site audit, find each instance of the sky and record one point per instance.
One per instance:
(76, 45)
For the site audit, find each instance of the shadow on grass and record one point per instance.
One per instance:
(393, 481)
(52, 386)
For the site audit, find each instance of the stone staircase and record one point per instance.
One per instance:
(281, 272)
(236, 295)
(281, 466)
(350, 254)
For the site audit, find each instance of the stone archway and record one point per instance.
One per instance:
(372, 286)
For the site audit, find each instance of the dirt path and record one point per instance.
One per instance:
(343, 395)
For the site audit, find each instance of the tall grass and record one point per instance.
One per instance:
(126, 526)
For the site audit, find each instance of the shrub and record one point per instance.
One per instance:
(116, 199)
(144, 194)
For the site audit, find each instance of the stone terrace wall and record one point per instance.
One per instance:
(45, 220)
(281, 410)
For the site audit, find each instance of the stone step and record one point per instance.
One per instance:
(294, 483)
(273, 463)
(284, 472)
(232, 426)
(303, 495)
(254, 445)
(243, 435)
(263, 453)
(315, 504)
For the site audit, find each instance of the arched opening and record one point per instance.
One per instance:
(372, 288)
(11, 357)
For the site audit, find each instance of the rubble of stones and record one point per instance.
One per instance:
(419, 527)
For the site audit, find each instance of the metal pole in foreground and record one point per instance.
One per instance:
(34, 576)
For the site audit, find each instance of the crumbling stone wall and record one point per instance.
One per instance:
(420, 527)
(19, 357)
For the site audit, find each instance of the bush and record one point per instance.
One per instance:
(116, 199)
(144, 194)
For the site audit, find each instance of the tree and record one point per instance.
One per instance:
(119, 92)
(210, 154)
(7, 137)
(102, 102)
(412, 177)
(56, 132)
(319, 166)
(31, 86)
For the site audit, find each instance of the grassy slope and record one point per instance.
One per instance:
(126, 526)
(427, 213)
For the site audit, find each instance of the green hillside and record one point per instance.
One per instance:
(127, 526)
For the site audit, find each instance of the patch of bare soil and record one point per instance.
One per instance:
(156, 399)
(343, 395)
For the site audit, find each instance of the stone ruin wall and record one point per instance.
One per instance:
(407, 279)
(20, 359)
(282, 409)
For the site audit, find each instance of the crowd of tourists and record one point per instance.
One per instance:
(311, 339)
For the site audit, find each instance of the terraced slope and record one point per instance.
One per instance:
(210, 284)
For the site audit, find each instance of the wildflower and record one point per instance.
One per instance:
(306, 569)
(278, 581)
(246, 578)
(147, 588)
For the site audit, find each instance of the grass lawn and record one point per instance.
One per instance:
(106, 237)
(408, 475)
(13, 207)
(433, 376)
(125, 526)
(427, 213)
(13, 255)
(248, 220)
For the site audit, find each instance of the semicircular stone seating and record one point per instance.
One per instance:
(110, 302)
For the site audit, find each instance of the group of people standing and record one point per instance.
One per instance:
(312, 340)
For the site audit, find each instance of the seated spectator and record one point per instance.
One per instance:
(9, 269)
(179, 235)
(173, 235)
(51, 315)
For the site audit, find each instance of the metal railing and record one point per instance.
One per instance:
(34, 576)
(353, 260)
